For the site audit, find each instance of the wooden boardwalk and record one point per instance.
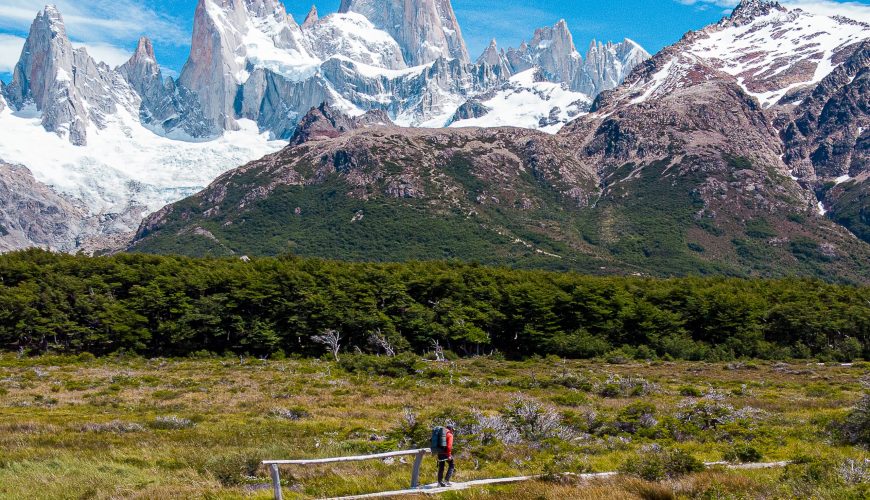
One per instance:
(434, 489)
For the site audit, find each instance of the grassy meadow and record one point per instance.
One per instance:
(130, 427)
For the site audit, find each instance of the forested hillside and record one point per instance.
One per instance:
(176, 306)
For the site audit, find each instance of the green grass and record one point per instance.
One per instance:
(88, 428)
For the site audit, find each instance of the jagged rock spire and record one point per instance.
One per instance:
(311, 18)
(47, 75)
(425, 29)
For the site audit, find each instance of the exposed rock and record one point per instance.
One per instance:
(553, 51)
(325, 122)
(828, 125)
(426, 29)
(496, 60)
(471, 109)
(607, 65)
(70, 89)
(226, 36)
(165, 106)
(311, 18)
(31, 214)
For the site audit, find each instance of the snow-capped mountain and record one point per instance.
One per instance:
(549, 82)
(120, 143)
(425, 29)
(775, 52)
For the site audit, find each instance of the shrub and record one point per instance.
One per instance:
(534, 421)
(115, 426)
(743, 453)
(172, 423)
(711, 412)
(389, 366)
(636, 416)
(656, 464)
(233, 470)
(294, 413)
(854, 471)
(690, 392)
(616, 386)
(855, 429)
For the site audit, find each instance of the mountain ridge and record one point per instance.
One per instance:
(682, 169)
(277, 71)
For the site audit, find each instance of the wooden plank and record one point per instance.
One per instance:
(346, 459)
(415, 472)
(276, 481)
(434, 489)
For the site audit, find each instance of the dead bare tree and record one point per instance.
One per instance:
(331, 339)
(438, 349)
(380, 341)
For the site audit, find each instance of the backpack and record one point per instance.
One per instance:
(439, 440)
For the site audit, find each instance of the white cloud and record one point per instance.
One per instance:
(853, 10)
(109, 54)
(10, 51)
(104, 21)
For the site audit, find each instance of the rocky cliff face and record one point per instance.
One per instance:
(165, 107)
(31, 214)
(68, 87)
(425, 29)
(827, 142)
(553, 51)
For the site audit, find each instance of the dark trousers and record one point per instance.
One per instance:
(442, 460)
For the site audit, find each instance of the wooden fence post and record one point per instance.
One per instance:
(276, 481)
(415, 472)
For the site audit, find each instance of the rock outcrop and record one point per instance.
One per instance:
(69, 88)
(32, 215)
(552, 50)
(425, 29)
(325, 122)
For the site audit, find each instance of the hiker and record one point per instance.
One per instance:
(442, 445)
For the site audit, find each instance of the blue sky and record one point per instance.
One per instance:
(110, 28)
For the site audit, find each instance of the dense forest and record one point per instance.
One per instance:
(178, 306)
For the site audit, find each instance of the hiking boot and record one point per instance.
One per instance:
(448, 484)
(442, 485)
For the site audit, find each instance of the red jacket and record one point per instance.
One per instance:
(449, 443)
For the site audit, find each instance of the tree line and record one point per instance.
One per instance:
(178, 306)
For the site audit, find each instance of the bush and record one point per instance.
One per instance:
(294, 413)
(711, 412)
(636, 416)
(656, 464)
(172, 423)
(616, 386)
(534, 421)
(743, 453)
(115, 426)
(233, 470)
(855, 429)
(690, 392)
(395, 366)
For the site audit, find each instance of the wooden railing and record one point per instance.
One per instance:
(415, 472)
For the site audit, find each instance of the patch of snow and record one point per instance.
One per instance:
(821, 208)
(125, 164)
(771, 45)
(655, 82)
(525, 103)
(841, 179)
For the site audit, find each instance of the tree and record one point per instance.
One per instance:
(331, 339)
